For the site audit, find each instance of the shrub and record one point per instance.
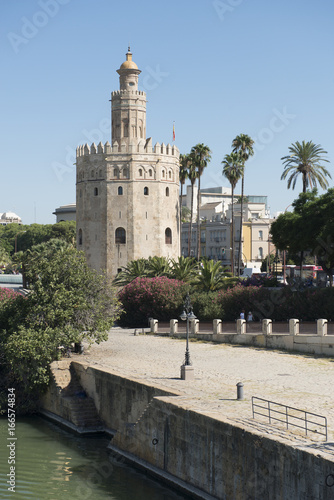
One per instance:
(160, 298)
(206, 306)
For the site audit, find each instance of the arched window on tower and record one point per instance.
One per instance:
(120, 236)
(146, 191)
(96, 192)
(116, 173)
(120, 190)
(80, 237)
(140, 171)
(168, 236)
(150, 172)
(167, 191)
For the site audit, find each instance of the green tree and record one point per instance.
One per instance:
(184, 269)
(309, 227)
(242, 144)
(201, 155)
(211, 276)
(305, 159)
(158, 266)
(134, 269)
(233, 168)
(67, 302)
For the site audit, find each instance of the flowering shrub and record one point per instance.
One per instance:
(7, 294)
(160, 298)
(279, 304)
(206, 306)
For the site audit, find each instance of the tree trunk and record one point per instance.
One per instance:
(241, 216)
(232, 235)
(198, 221)
(181, 217)
(191, 220)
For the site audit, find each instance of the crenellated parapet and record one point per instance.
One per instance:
(142, 147)
(127, 92)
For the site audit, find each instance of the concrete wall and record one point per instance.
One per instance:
(205, 455)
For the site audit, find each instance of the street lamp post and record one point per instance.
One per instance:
(187, 371)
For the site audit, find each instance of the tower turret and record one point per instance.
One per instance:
(128, 106)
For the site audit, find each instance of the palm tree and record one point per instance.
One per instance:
(184, 269)
(202, 156)
(192, 176)
(211, 276)
(233, 169)
(134, 269)
(183, 176)
(242, 144)
(305, 159)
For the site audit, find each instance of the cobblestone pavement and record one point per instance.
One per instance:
(296, 380)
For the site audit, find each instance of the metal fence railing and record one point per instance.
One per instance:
(291, 417)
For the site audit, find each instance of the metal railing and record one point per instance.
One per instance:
(293, 417)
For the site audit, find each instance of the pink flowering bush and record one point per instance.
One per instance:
(161, 298)
(279, 304)
(7, 294)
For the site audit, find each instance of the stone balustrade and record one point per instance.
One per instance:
(256, 334)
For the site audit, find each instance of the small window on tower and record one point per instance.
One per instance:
(140, 172)
(96, 192)
(120, 190)
(146, 191)
(168, 236)
(120, 236)
(167, 191)
(131, 84)
(80, 237)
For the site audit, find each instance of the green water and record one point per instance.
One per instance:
(51, 463)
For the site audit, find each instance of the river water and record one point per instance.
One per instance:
(53, 464)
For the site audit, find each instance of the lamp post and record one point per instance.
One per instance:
(187, 371)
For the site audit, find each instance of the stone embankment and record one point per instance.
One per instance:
(196, 434)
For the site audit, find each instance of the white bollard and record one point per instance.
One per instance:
(267, 327)
(154, 325)
(322, 327)
(217, 326)
(173, 326)
(241, 326)
(194, 326)
(294, 326)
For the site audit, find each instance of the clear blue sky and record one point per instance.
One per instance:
(216, 68)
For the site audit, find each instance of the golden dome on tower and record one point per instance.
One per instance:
(129, 64)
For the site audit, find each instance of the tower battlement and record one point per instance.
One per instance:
(127, 92)
(143, 147)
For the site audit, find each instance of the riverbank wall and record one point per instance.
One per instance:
(203, 454)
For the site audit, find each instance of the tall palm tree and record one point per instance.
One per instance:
(202, 156)
(192, 176)
(183, 176)
(305, 159)
(233, 169)
(242, 144)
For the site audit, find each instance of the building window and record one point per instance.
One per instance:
(150, 172)
(96, 191)
(120, 190)
(140, 172)
(168, 236)
(115, 172)
(146, 191)
(260, 235)
(125, 173)
(120, 236)
(167, 191)
(260, 253)
(80, 237)
(170, 174)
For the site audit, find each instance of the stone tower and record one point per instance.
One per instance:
(127, 194)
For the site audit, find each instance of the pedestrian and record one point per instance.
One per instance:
(242, 314)
(249, 317)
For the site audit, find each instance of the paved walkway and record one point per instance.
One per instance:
(301, 381)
